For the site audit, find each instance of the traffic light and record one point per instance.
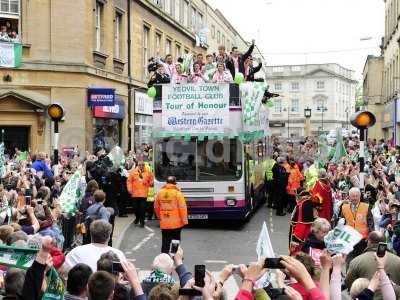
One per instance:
(363, 120)
(55, 112)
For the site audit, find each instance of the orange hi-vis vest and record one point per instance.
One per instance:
(170, 207)
(359, 221)
(138, 183)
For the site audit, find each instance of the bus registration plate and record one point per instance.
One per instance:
(198, 217)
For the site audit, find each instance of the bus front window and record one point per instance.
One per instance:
(219, 160)
(175, 158)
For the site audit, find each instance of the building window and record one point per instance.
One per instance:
(228, 45)
(218, 37)
(278, 106)
(117, 36)
(213, 31)
(9, 20)
(295, 86)
(158, 2)
(168, 46)
(223, 39)
(146, 32)
(157, 45)
(296, 69)
(99, 26)
(277, 69)
(178, 51)
(278, 86)
(200, 23)
(320, 105)
(295, 105)
(192, 18)
(185, 13)
(177, 13)
(167, 6)
(320, 85)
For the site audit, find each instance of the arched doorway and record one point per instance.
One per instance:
(22, 123)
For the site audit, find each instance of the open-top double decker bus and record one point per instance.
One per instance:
(198, 138)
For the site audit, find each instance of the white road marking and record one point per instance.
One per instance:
(142, 242)
(271, 223)
(121, 236)
(216, 262)
(148, 228)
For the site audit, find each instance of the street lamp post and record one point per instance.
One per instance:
(307, 116)
(288, 121)
(322, 109)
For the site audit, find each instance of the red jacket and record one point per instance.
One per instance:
(58, 257)
(244, 295)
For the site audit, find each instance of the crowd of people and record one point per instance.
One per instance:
(319, 192)
(218, 67)
(8, 34)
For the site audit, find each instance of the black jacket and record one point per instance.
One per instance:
(252, 71)
(33, 282)
(280, 176)
(230, 65)
(158, 79)
(312, 242)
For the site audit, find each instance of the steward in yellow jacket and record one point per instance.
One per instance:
(170, 208)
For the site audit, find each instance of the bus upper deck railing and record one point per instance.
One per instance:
(234, 98)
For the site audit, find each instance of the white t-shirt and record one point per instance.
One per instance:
(89, 254)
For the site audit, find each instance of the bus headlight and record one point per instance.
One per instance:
(230, 202)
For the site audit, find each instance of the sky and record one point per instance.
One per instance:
(309, 31)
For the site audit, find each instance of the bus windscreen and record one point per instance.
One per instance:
(216, 160)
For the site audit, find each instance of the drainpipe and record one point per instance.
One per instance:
(129, 77)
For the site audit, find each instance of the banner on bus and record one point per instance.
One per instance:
(195, 109)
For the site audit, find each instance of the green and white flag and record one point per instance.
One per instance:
(117, 157)
(15, 257)
(251, 96)
(2, 161)
(10, 55)
(323, 151)
(340, 150)
(71, 194)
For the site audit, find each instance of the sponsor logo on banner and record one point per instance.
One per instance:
(201, 108)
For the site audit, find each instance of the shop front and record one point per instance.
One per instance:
(107, 125)
(143, 119)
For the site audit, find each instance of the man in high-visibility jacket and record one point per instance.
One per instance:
(269, 176)
(150, 196)
(139, 181)
(358, 215)
(170, 208)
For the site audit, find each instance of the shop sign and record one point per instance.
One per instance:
(200, 108)
(110, 112)
(143, 104)
(101, 97)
